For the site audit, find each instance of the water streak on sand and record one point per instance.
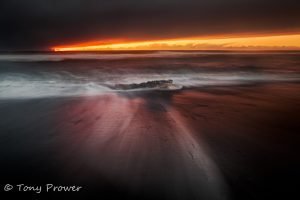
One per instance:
(140, 144)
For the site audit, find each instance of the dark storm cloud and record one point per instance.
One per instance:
(39, 24)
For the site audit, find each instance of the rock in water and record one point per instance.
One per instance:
(157, 84)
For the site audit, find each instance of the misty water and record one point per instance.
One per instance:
(79, 74)
(231, 129)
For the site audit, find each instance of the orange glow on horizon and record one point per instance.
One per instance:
(287, 42)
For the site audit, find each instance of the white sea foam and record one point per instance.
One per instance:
(17, 85)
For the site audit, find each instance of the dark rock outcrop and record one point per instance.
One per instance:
(157, 84)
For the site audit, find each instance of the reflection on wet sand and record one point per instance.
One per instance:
(207, 143)
(139, 143)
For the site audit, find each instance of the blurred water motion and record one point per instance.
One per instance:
(230, 133)
(79, 74)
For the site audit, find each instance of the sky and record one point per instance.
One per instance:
(53, 24)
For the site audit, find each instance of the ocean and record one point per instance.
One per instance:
(79, 74)
(230, 131)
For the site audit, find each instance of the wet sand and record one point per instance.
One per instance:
(203, 143)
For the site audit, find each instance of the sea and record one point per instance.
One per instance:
(228, 131)
(59, 74)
